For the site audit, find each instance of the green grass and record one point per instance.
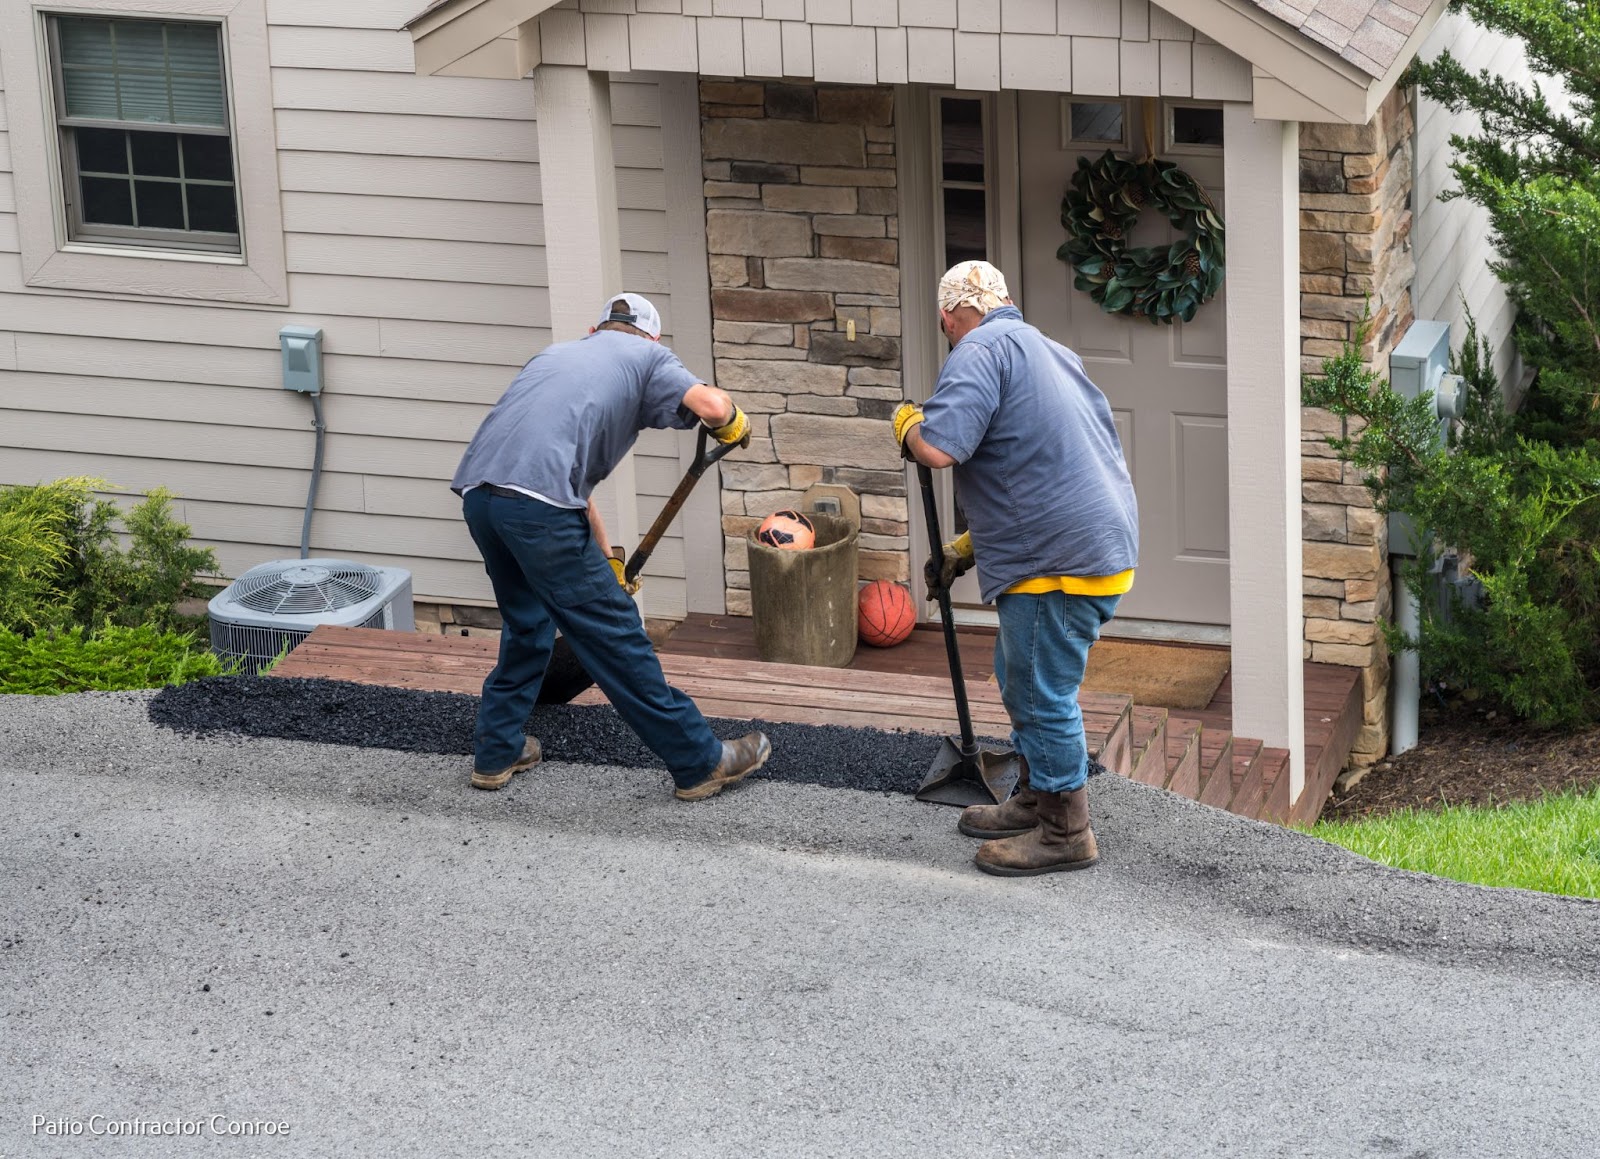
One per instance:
(1551, 845)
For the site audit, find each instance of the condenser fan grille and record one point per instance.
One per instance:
(306, 589)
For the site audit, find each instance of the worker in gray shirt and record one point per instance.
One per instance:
(527, 484)
(1054, 533)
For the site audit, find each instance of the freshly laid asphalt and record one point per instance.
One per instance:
(350, 941)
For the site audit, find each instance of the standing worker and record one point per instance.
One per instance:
(527, 482)
(1054, 531)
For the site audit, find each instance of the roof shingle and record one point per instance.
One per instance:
(1368, 33)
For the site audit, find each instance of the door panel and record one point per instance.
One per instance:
(1167, 385)
(1202, 448)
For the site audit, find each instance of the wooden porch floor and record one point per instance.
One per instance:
(713, 659)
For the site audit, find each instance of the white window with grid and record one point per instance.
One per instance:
(143, 112)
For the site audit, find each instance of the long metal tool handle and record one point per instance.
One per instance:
(969, 743)
(702, 462)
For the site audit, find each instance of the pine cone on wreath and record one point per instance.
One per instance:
(1191, 264)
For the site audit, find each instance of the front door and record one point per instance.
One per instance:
(1167, 385)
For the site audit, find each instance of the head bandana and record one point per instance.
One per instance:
(975, 284)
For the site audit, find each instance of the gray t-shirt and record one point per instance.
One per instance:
(573, 412)
(1040, 471)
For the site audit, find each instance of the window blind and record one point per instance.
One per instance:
(142, 72)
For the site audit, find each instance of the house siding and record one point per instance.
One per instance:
(1451, 238)
(1099, 47)
(414, 239)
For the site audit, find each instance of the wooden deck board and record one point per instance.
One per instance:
(906, 688)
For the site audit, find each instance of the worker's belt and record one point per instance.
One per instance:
(508, 492)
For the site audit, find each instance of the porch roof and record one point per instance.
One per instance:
(1309, 60)
(1370, 34)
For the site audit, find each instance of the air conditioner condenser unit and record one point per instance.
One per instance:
(272, 607)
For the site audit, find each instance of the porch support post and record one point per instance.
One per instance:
(583, 252)
(1261, 161)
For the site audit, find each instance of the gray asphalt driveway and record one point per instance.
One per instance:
(211, 935)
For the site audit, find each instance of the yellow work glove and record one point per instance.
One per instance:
(620, 566)
(955, 560)
(906, 416)
(735, 430)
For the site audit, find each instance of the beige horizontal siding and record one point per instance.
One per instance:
(444, 96)
(395, 217)
(394, 134)
(385, 15)
(266, 407)
(342, 49)
(414, 239)
(417, 260)
(456, 179)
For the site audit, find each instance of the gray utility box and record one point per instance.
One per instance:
(1420, 366)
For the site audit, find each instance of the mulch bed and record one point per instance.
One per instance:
(1467, 755)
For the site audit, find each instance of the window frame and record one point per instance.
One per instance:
(52, 260)
(1169, 127)
(143, 237)
(1071, 143)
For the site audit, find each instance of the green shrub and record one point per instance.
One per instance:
(107, 659)
(62, 561)
(1524, 517)
(37, 532)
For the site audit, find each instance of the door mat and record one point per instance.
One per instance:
(1156, 675)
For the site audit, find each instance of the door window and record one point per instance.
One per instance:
(964, 151)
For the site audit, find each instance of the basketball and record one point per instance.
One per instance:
(885, 614)
(787, 529)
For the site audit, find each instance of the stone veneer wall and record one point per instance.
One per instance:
(1355, 255)
(802, 224)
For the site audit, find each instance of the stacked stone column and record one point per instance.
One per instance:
(802, 229)
(1355, 258)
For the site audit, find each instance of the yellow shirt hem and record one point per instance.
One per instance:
(1099, 585)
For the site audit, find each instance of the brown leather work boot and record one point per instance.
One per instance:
(740, 758)
(1062, 840)
(1015, 815)
(498, 778)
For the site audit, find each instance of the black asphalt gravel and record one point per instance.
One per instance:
(369, 716)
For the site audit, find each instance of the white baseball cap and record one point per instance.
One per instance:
(639, 313)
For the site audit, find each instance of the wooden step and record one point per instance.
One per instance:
(1246, 758)
(1249, 784)
(1218, 788)
(1183, 756)
(1149, 746)
(1275, 776)
(1216, 768)
(1115, 751)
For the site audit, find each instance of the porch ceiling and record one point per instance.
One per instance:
(1308, 60)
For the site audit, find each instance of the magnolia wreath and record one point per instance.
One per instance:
(1157, 282)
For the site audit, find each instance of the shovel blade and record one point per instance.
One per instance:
(565, 678)
(988, 777)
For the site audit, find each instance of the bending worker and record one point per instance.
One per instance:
(1053, 530)
(527, 482)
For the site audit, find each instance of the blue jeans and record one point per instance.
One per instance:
(549, 573)
(1039, 659)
